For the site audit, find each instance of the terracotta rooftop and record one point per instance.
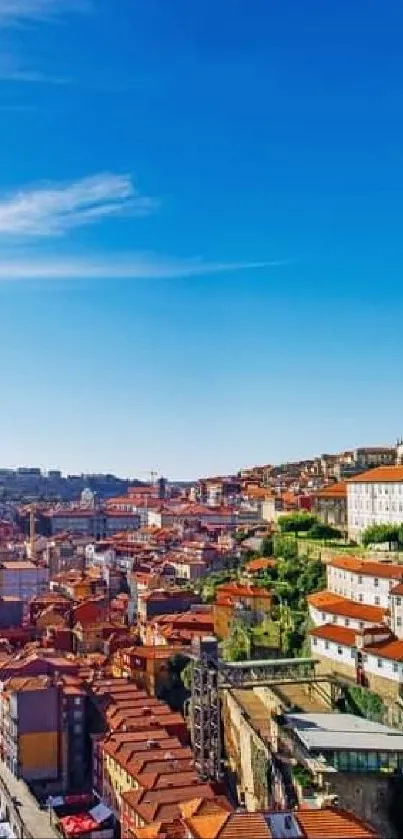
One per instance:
(391, 649)
(335, 604)
(260, 564)
(327, 823)
(380, 475)
(163, 805)
(338, 634)
(338, 490)
(385, 570)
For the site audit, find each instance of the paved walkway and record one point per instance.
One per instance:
(27, 819)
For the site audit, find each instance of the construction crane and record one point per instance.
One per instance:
(152, 474)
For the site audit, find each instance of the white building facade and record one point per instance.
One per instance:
(375, 497)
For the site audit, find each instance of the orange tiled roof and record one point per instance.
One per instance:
(335, 604)
(392, 649)
(164, 804)
(329, 822)
(385, 570)
(333, 823)
(338, 634)
(380, 475)
(260, 564)
(338, 490)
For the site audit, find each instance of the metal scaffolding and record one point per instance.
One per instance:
(210, 675)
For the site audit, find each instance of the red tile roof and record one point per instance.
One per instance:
(386, 649)
(158, 805)
(339, 634)
(335, 604)
(334, 823)
(260, 564)
(327, 823)
(338, 490)
(380, 475)
(385, 570)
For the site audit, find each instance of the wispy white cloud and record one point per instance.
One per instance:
(52, 210)
(22, 11)
(130, 267)
(13, 70)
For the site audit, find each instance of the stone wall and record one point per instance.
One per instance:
(247, 755)
(368, 797)
(386, 689)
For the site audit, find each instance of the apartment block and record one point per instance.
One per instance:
(23, 579)
(374, 497)
(42, 726)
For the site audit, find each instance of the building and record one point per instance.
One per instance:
(369, 457)
(164, 602)
(364, 581)
(146, 666)
(374, 497)
(142, 808)
(23, 579)
(326, 823)
(79, 585)
(358, 624)
(94, 524)
(181, 629)
(241, 601)
(42, 724)
(330, 505)
(11, 611)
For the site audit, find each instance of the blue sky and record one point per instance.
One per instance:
(200, 231)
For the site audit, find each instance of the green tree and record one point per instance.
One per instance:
(186, 676)
(297, 522)
(267, 547)
(238, 646)
(323, 531)
(285, 547)
(377, 534)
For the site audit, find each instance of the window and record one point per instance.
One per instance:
(398, 621)
(398, 601)
(347, 622)
(334, 618)
(376, 582)
(323, 617)
(326, 645)
(78, 729)
(360, 598)
(77, 700)
(315, 642)
(395, 667)
(353, 653)
(379, 663)
(78, 715)
(377, 600)
(361, 624)
(339, 651)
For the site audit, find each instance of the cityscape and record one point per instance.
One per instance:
(205, 659)
(201, 419)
